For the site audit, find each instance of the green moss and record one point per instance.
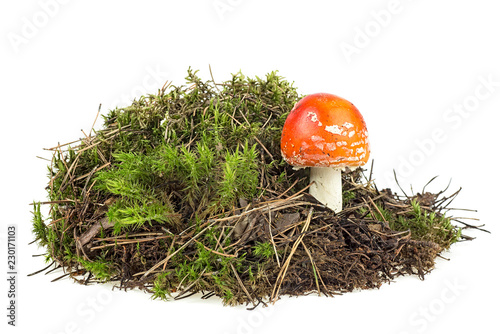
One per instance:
(427, 225)
(102, 269)
(423, 224)
(263, 249)
(161, 287)
(164, 168)
(39, 229)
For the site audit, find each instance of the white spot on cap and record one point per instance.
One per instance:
(356, 143)
(341, 143)
(341, 130)
(347, 125)
(317, 138)
(333, 129)
(331, 146)
(314, 117)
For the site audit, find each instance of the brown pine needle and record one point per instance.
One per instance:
(315, 272)
(282, 273)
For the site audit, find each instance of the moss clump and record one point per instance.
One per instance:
(186, 191)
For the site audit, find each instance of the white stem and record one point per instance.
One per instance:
(327, 186)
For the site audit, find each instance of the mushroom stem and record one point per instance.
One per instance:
(327, 186)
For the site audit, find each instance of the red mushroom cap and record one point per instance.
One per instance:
(325, 130)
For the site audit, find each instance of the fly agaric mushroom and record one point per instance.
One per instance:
(327, 133)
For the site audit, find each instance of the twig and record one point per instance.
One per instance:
(315, 272)
(423, 189)
(189, 286)
(216, 252)
(93, 171)
(397, 182)
(178, 250)
(378, 210)
(472, 226)
(288, 189)
(62, 276)
(39, 271)
(133, 241)
(272, 241)
(263, 147)
(282, 273)
(241, 284)
(91, 232)
(169, 251)
(95, 120)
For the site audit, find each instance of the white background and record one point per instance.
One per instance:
(425, 75)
